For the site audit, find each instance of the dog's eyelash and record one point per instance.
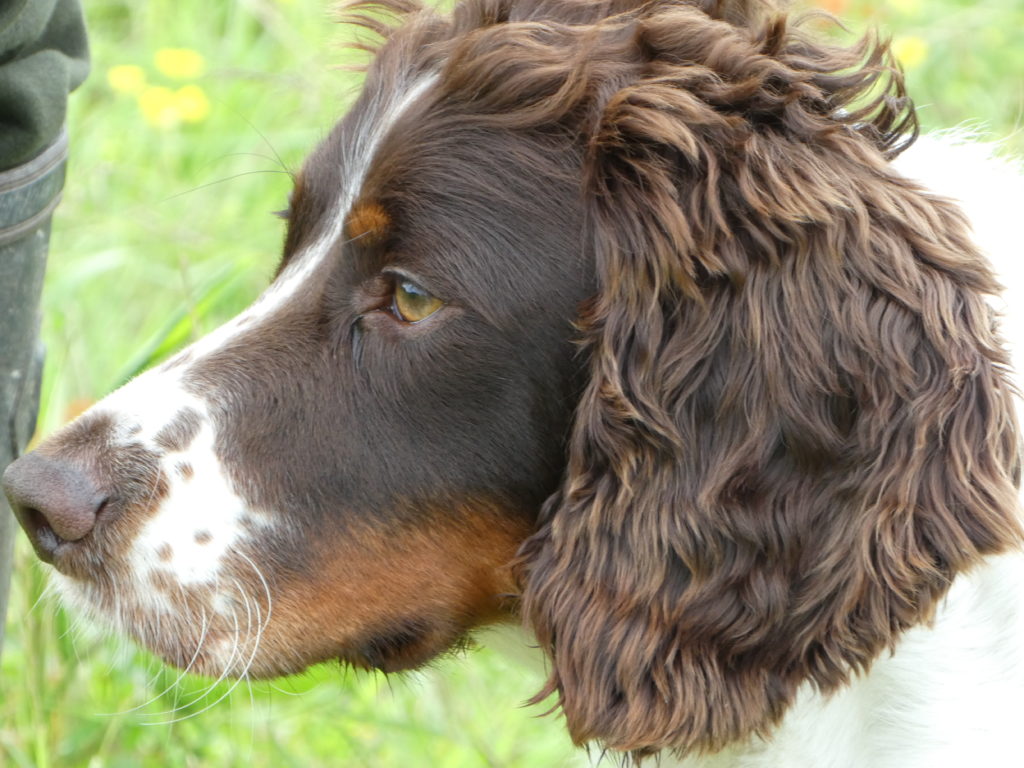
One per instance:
(286, 212)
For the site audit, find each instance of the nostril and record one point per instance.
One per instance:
(39, 531)
(54, 500)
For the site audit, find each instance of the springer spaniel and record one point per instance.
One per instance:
(616, 317)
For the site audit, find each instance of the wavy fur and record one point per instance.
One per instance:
(797, 428)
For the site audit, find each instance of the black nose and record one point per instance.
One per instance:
(54, 501)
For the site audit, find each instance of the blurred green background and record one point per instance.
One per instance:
(182, 140)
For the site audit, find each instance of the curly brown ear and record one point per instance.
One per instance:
(797, 429)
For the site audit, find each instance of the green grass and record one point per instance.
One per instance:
(165, 233)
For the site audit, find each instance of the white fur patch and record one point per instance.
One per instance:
(199, 521)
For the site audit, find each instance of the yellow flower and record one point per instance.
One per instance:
(159, 106)
(179, 63)
(127, 78)
(191, 104)
(166, 108)
(910, 50)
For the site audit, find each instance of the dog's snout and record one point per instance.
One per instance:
(54, 500)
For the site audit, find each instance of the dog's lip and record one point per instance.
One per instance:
(71, 560)
(65, 556)
(80, 560)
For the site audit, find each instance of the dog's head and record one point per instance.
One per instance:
(611, 312)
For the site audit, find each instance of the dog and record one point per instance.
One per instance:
(646, 324)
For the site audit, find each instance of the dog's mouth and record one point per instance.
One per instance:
(215, 629)
(408, 644)
(247, 623)
(238, 642)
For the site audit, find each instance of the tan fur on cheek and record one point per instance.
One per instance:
(393, 600)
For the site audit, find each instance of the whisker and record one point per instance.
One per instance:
(177, 680)
(219, 181)
(270, 146)
(282, 691)
(227, 669)
(263, 581)
(209, 689)
(46, 593)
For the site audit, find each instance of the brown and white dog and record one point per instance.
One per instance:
(618, 317)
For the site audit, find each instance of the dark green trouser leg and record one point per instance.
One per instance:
(28, 195)
(43, 57)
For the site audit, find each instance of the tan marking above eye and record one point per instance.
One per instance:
(412, 303)
(367, 222)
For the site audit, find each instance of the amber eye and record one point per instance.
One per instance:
(412, 303)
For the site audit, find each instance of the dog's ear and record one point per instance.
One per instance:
(797, 430)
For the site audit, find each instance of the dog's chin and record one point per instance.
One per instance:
(409, 645)
(188, 633)
(225, 655)
(245, 642)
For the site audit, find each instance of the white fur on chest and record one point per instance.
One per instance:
(951, 696)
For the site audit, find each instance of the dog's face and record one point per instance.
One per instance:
(346, 469)
(626, 293)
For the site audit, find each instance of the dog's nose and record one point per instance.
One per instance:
(54, 501)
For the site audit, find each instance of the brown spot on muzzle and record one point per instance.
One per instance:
(179, 433)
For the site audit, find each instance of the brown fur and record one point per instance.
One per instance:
(786, 431)
(797, 429)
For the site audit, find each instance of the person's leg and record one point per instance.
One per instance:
(44, 54)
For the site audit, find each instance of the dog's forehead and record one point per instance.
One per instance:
(332, 178)
(412, 179)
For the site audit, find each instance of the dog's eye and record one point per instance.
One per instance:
(412, 304)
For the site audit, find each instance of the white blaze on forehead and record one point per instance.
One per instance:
(202, 518)
(359, 151)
